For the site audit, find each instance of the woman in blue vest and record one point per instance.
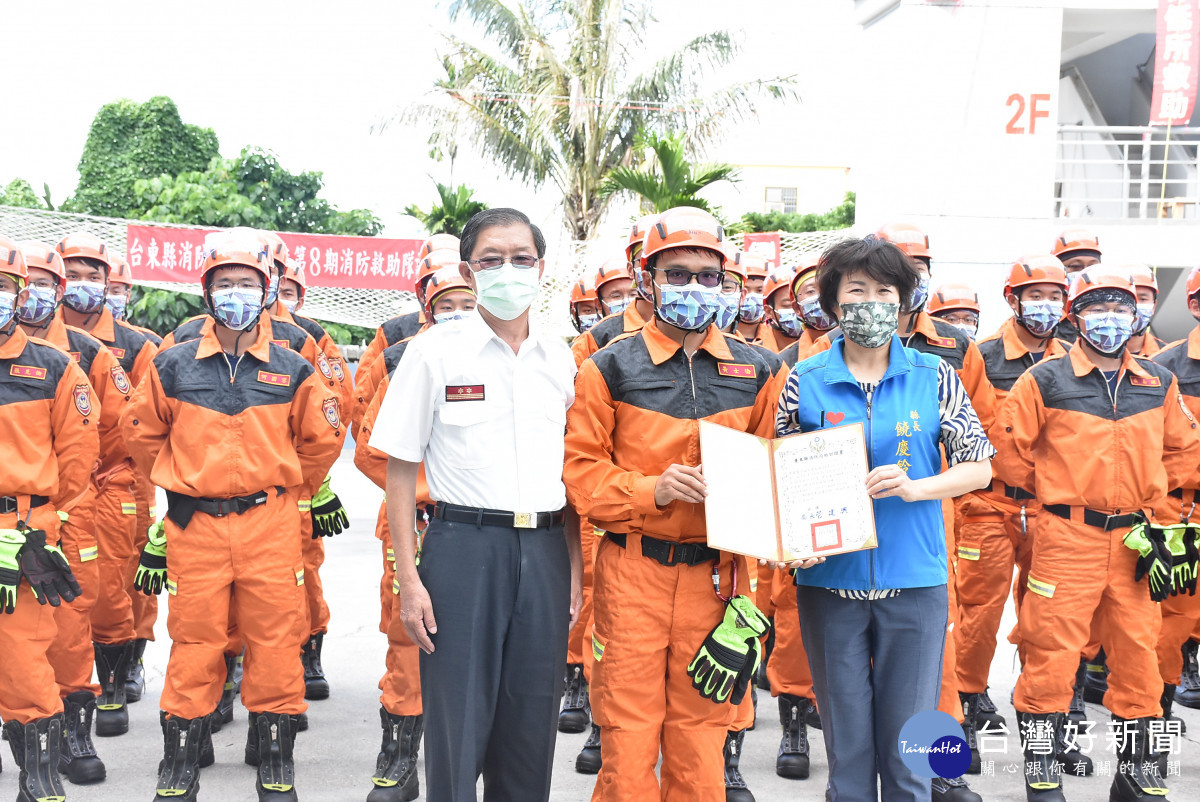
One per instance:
(874, 621)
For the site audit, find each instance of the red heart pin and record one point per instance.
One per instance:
(835, 418)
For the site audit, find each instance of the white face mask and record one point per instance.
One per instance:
(506, 291)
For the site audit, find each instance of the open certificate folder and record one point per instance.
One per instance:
(795, 497)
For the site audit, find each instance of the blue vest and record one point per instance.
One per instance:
(902, 427)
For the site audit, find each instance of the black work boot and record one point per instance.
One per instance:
(276, 769)
(179, 770)
(112, 668)
(208, 755)
(953, 789)
(1078, 710)
(77, 758)
(315, 684)
(135, 677)
(1188, 692)
(735, 784)
(1137, 776)
(35, 748)
(589, 759)
(1066, 749)
(1043, 773)
(1096, 684)
(395, 778)
(1168, 703)
(792, 759)
(224, 712)
(576, 713)
(971, 736)
(979, 708)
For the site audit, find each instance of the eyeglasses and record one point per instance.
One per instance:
(679, 277)
(492, 262)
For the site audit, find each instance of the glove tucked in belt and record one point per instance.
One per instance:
(1154, 559)
(729, 656)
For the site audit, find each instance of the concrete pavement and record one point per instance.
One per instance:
(336, 756)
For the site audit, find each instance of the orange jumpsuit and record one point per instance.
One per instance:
(267, 430)
(51, 447)
(1062, 438)
(992, 539)
(636, 412)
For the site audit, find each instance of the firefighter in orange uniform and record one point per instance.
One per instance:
(1098, 436)
(231, 424)
(752, 311)
(52, 448)
(584, 305)
(958, 305)
(806, 301)
(995, 534)
(1143, 342)
(631, 454)
(448, 298)
(1076, 248)
(783, 325)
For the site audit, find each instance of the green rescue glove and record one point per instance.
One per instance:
(1185, 557)
(1154, 559)
(328, 515)
(11, 542)
(151, 573)
(729, 653)
(46, 570)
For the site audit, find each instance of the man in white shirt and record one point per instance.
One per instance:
(483, 405)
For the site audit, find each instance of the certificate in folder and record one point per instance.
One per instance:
(791, 498)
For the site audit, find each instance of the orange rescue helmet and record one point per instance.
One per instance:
(434, 261)
(754, 265)
(949, 297)
(779, 279)
(1035, 269)
(614, 269)
(41, 255)
(1075, 239)
(226, 249)
(445, 279)
(120, 270)
(83, 245)
(637, 235)
(294, 271)
(1193, 282)
(1100, 277)
(1142, 276)
(684, 227)
(582, 291)
(12, 261)
(907, 237)
(438, 242)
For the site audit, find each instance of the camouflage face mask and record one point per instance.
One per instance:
(869, 324)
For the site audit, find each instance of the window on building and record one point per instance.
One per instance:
(781, 199)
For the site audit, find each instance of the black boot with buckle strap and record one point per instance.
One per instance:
(395, 778)
(575, 715)
(112, 669)
(77, 760)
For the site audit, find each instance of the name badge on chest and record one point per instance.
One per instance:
(464, 392)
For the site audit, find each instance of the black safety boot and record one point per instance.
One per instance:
(112, 669)
(1168, 704)
(35, 748)
(735, 784)
(135, 678)
(395, 778)
(971, 736)
(1066, 749)
(1188, 692)
(589, 759)
(576, 713)
(792, 759)
(224, 712)
(276, 769)
(77, 758)
(953, 789)
(1043, 772)
(315, 684)
(1097, 679)
(1078, 710)
(980, 708)
(1137, 778)
(179, 770)
(208, 755)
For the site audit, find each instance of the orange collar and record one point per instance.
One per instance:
(56, 333)
(14, 345)
(105, 328)
(662, 347)
(261, 348)
(1082, 364)
(631, 319)
(1015, 349)
(1193, 341)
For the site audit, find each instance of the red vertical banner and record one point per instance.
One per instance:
(766, 244)
(1176, 62)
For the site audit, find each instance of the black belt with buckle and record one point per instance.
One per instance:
(1100, 520)
(459, 514)
(1178, 493)
(1017, 494)
(9, 503)
(181, 507)
(668, 552)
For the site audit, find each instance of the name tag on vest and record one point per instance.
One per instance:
(1145, 381)
(464, 392)
(734, 369)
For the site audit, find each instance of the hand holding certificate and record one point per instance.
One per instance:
(794, 498)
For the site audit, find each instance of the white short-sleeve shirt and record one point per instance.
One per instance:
(488, 424)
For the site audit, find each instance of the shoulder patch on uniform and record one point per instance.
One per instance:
(464, 392)
(336, 364)
(279, 379)
(83, 399)
(30, 372)
(323, 365)
(119, 353)
(742, 371)
(1145, 381)
(120, 380)
(329, 407)
(941, 342)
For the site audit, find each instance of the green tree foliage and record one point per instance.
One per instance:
(129, 141)
(20, 193)
(671, 180)
(557, 91)
(451, 213)
(840, 216)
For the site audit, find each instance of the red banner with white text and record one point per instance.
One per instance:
(158, 253)
(1176, 62)
(766, 244)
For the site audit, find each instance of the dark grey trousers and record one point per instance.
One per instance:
(491, 688)
(874, 664)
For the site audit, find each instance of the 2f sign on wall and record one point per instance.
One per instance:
(1037, 107)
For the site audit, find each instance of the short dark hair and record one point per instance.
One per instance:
(875, 256)
(653, 260)
(490, 218)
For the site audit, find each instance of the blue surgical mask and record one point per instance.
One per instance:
(236, 308)
(117, 305)
(637, 285)
(617, 307)
(291, 306)
(85, 297)
(8, 308)
(788, 323)
(814, 316)
(587, 321)
(272, 290)
(920, 294)
(690, 307)
(1144, 313)
(1107, 332)
(1040, 317)
(446, 317)
(751, 310)
(970, 331)
(39, 305)
(727, 309)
